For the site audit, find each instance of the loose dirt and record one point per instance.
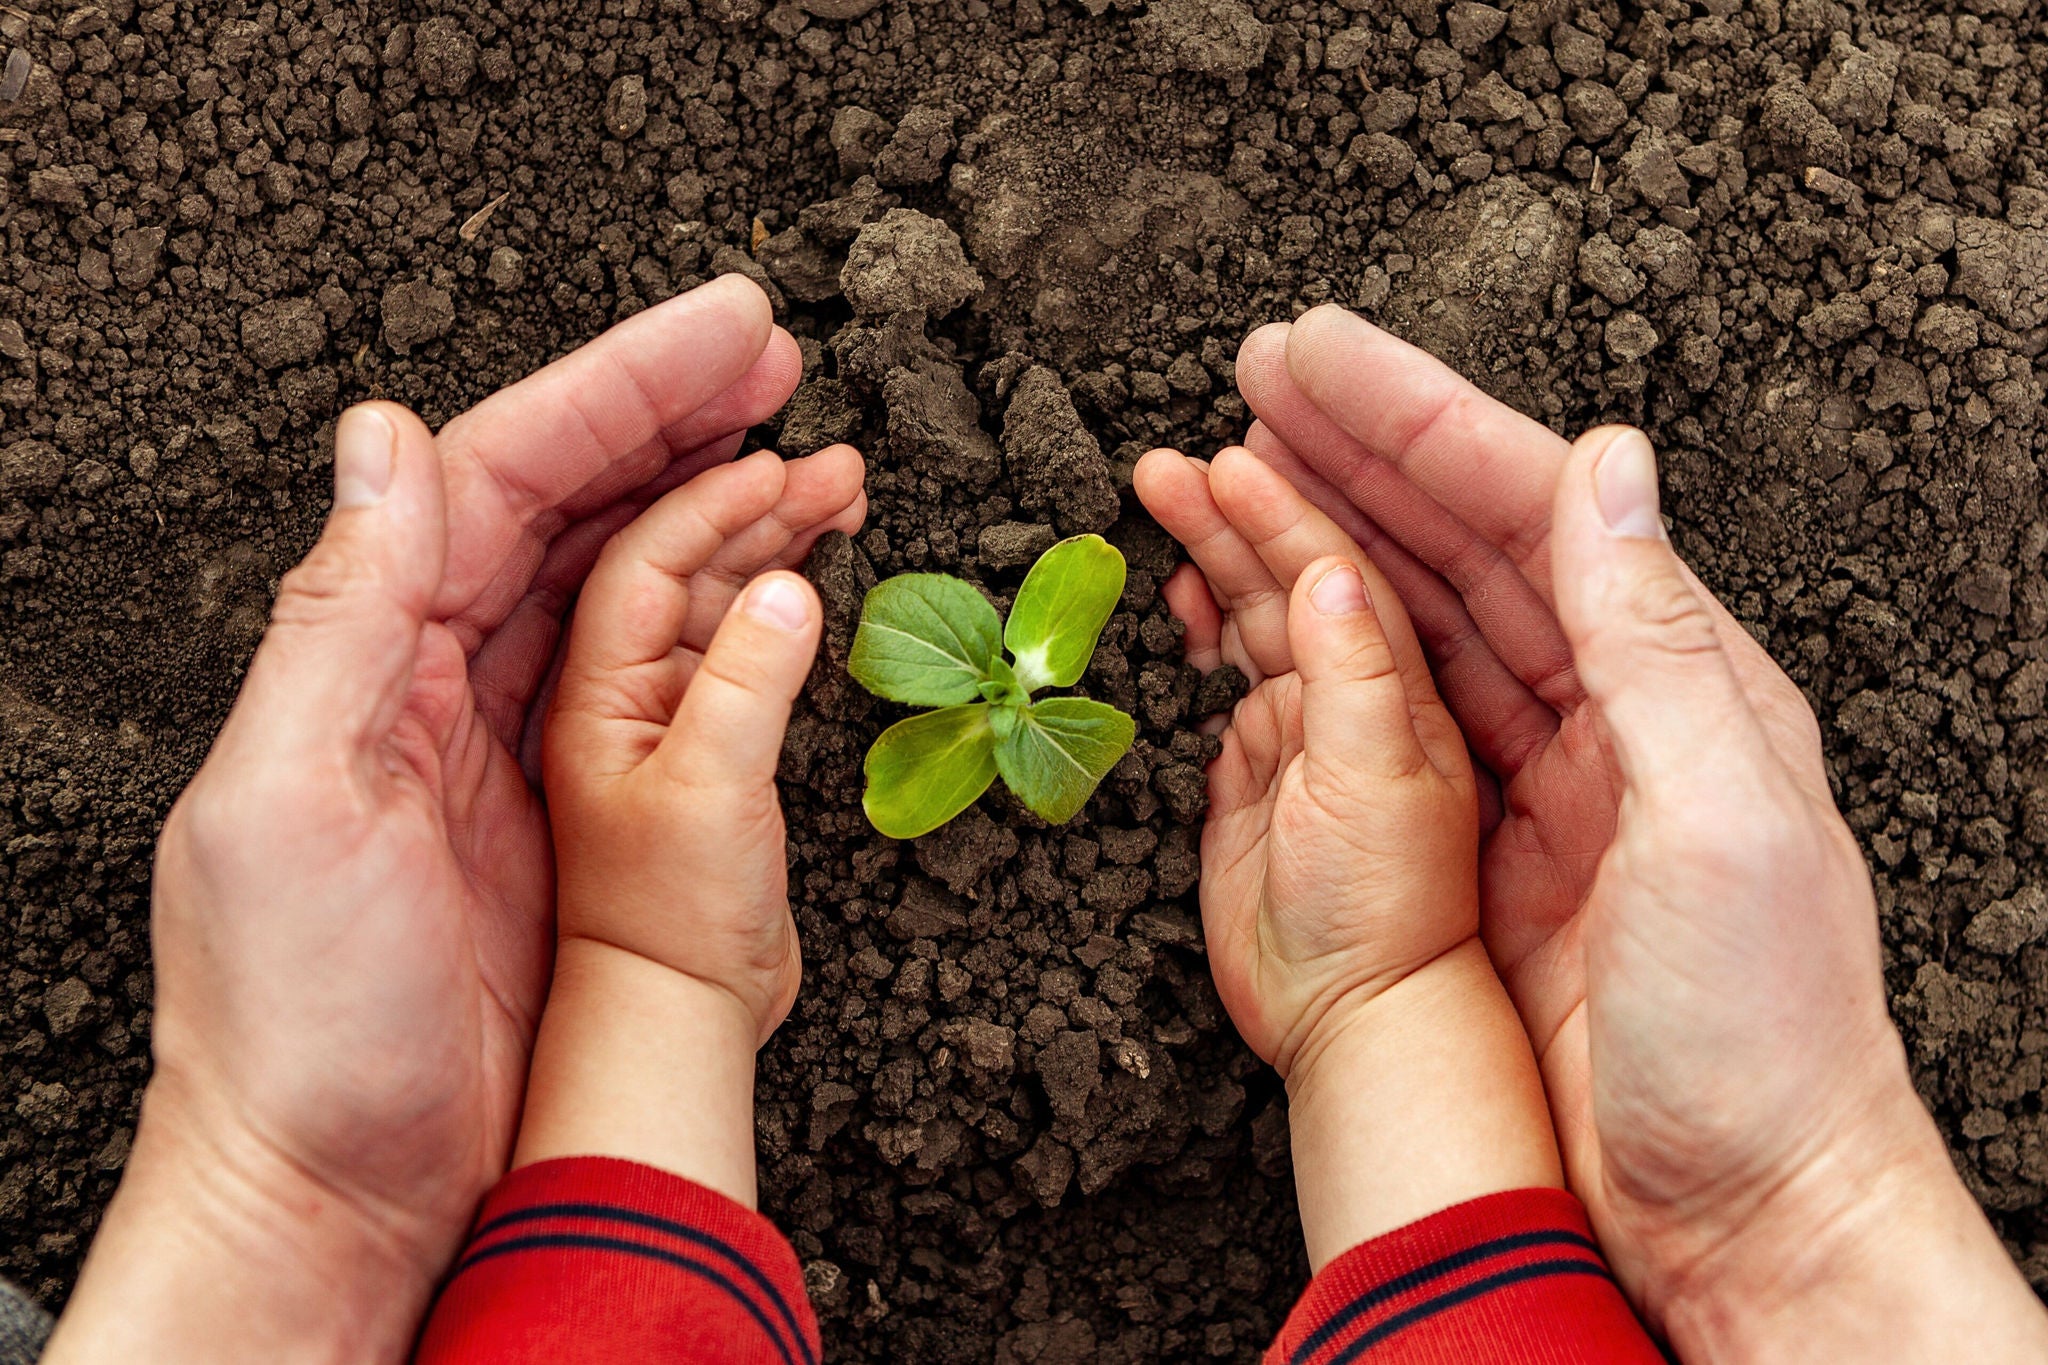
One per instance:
(1804, 243)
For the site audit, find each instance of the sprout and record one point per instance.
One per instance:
(933, 640)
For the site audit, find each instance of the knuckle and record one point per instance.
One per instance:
(1672, 613)
(1653, 612)
(742, 670)
(1370, 660)
(1742, 836)
(205, 828)
(317, 586)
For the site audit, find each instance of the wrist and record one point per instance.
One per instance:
(1411, 1099)
(1871, 1249)
(640, 1061)
(217, 1247)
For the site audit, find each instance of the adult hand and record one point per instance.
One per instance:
(1681, 915)
(353, 903)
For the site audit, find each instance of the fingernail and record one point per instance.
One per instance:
(365, 452)
(779, 603)
(1625, 485)
(1340, 592)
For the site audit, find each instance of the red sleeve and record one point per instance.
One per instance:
(1510, 1279)
(595, 1259)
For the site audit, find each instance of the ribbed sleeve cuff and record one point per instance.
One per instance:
(596, 1259)
(1509, 1279)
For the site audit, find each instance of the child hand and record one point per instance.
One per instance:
(1342, 839)
(661, 747)
(1340, 867)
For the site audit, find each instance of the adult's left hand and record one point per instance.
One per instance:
(354, 898)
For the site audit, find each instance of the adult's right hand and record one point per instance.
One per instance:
(1681, 915)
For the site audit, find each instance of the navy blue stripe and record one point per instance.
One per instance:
(585, 1241)
(1422, 1275)
(1464, 1293)
(610, 1213)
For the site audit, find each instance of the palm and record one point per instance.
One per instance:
(1276, 838)
(1537, 866)
(378, 1033)
(1245, 845)
(1451, 493)
(482, 856)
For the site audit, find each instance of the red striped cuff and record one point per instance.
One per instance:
(1509, 1279)
(596, 1259)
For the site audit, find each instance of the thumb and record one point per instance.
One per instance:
(344, 634)
(728, 730)
(1642, 634)
(1355, 716)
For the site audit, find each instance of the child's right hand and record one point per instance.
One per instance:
(1340, 853)
(1340, 867)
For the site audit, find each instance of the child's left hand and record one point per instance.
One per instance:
(661, 747)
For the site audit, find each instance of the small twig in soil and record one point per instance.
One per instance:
(14, 79)
(474, 224)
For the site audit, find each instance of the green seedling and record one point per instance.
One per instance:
(927, 639)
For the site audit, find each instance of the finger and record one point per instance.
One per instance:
(1505, 722)
(1480, 460)
(728, 731)
(1356, 719)
(1644, 636)
(597, 422)
(1290, 536)
(1517, 621)
(507, 667)
(1256, 745)
(1189, 599)
(337, 660)
(692, 442)
(507, 673)
(679, 472)
(1235, 781)
(1175, 490)
(818, 494)
(634, 606)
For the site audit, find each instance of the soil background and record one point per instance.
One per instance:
(1804, 243)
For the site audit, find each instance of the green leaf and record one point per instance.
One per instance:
(924, 771)
(925, 640)
(1061, 749)
(1003, 719)
(1001, 687)
(1061, 608)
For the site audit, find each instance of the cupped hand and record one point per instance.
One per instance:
(667, 726)
(678, 956)
(1342, 821)
(354, 898)
(1339, 898)
(1679, 911)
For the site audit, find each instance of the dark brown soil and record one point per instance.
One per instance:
(1804, 243)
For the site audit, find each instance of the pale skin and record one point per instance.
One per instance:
(1338, 887)
(355, 899)
(678, 955)
(1350, 859)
